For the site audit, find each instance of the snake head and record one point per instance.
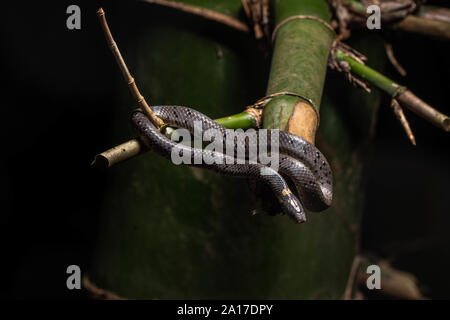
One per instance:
(292, 206)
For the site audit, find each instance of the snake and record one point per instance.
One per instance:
(299, 161)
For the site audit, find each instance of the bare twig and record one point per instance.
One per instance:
(409, 100)
(391, 56)
(257, 12)
(126, 73)
(205, 13)
(398, 111)
(99, 293)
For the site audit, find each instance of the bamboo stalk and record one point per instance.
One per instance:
(134, 147)
(404, 96)
(303, 41)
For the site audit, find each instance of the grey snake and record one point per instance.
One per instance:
(299, 160)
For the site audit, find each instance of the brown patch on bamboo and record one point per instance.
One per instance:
(303, 121)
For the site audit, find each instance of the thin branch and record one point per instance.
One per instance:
(99, 293)
(391, 56)
(398, 111)
(126, 73)
(203, 12)
(409, 100)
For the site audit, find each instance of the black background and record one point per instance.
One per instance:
(57, 92)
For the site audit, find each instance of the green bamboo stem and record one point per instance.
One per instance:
(134, 147)
(372, 76)
(404, 96)
(243, 120)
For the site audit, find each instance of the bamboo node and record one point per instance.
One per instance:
(301, 17)
(256, 113)
(343, 66)
(264, 100)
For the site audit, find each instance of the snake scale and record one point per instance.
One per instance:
(299, 160)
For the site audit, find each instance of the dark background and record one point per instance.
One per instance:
(57, 93)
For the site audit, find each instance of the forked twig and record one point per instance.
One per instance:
(158, 122)
(398, 111)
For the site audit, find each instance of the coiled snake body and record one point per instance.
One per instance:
(299, 160)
